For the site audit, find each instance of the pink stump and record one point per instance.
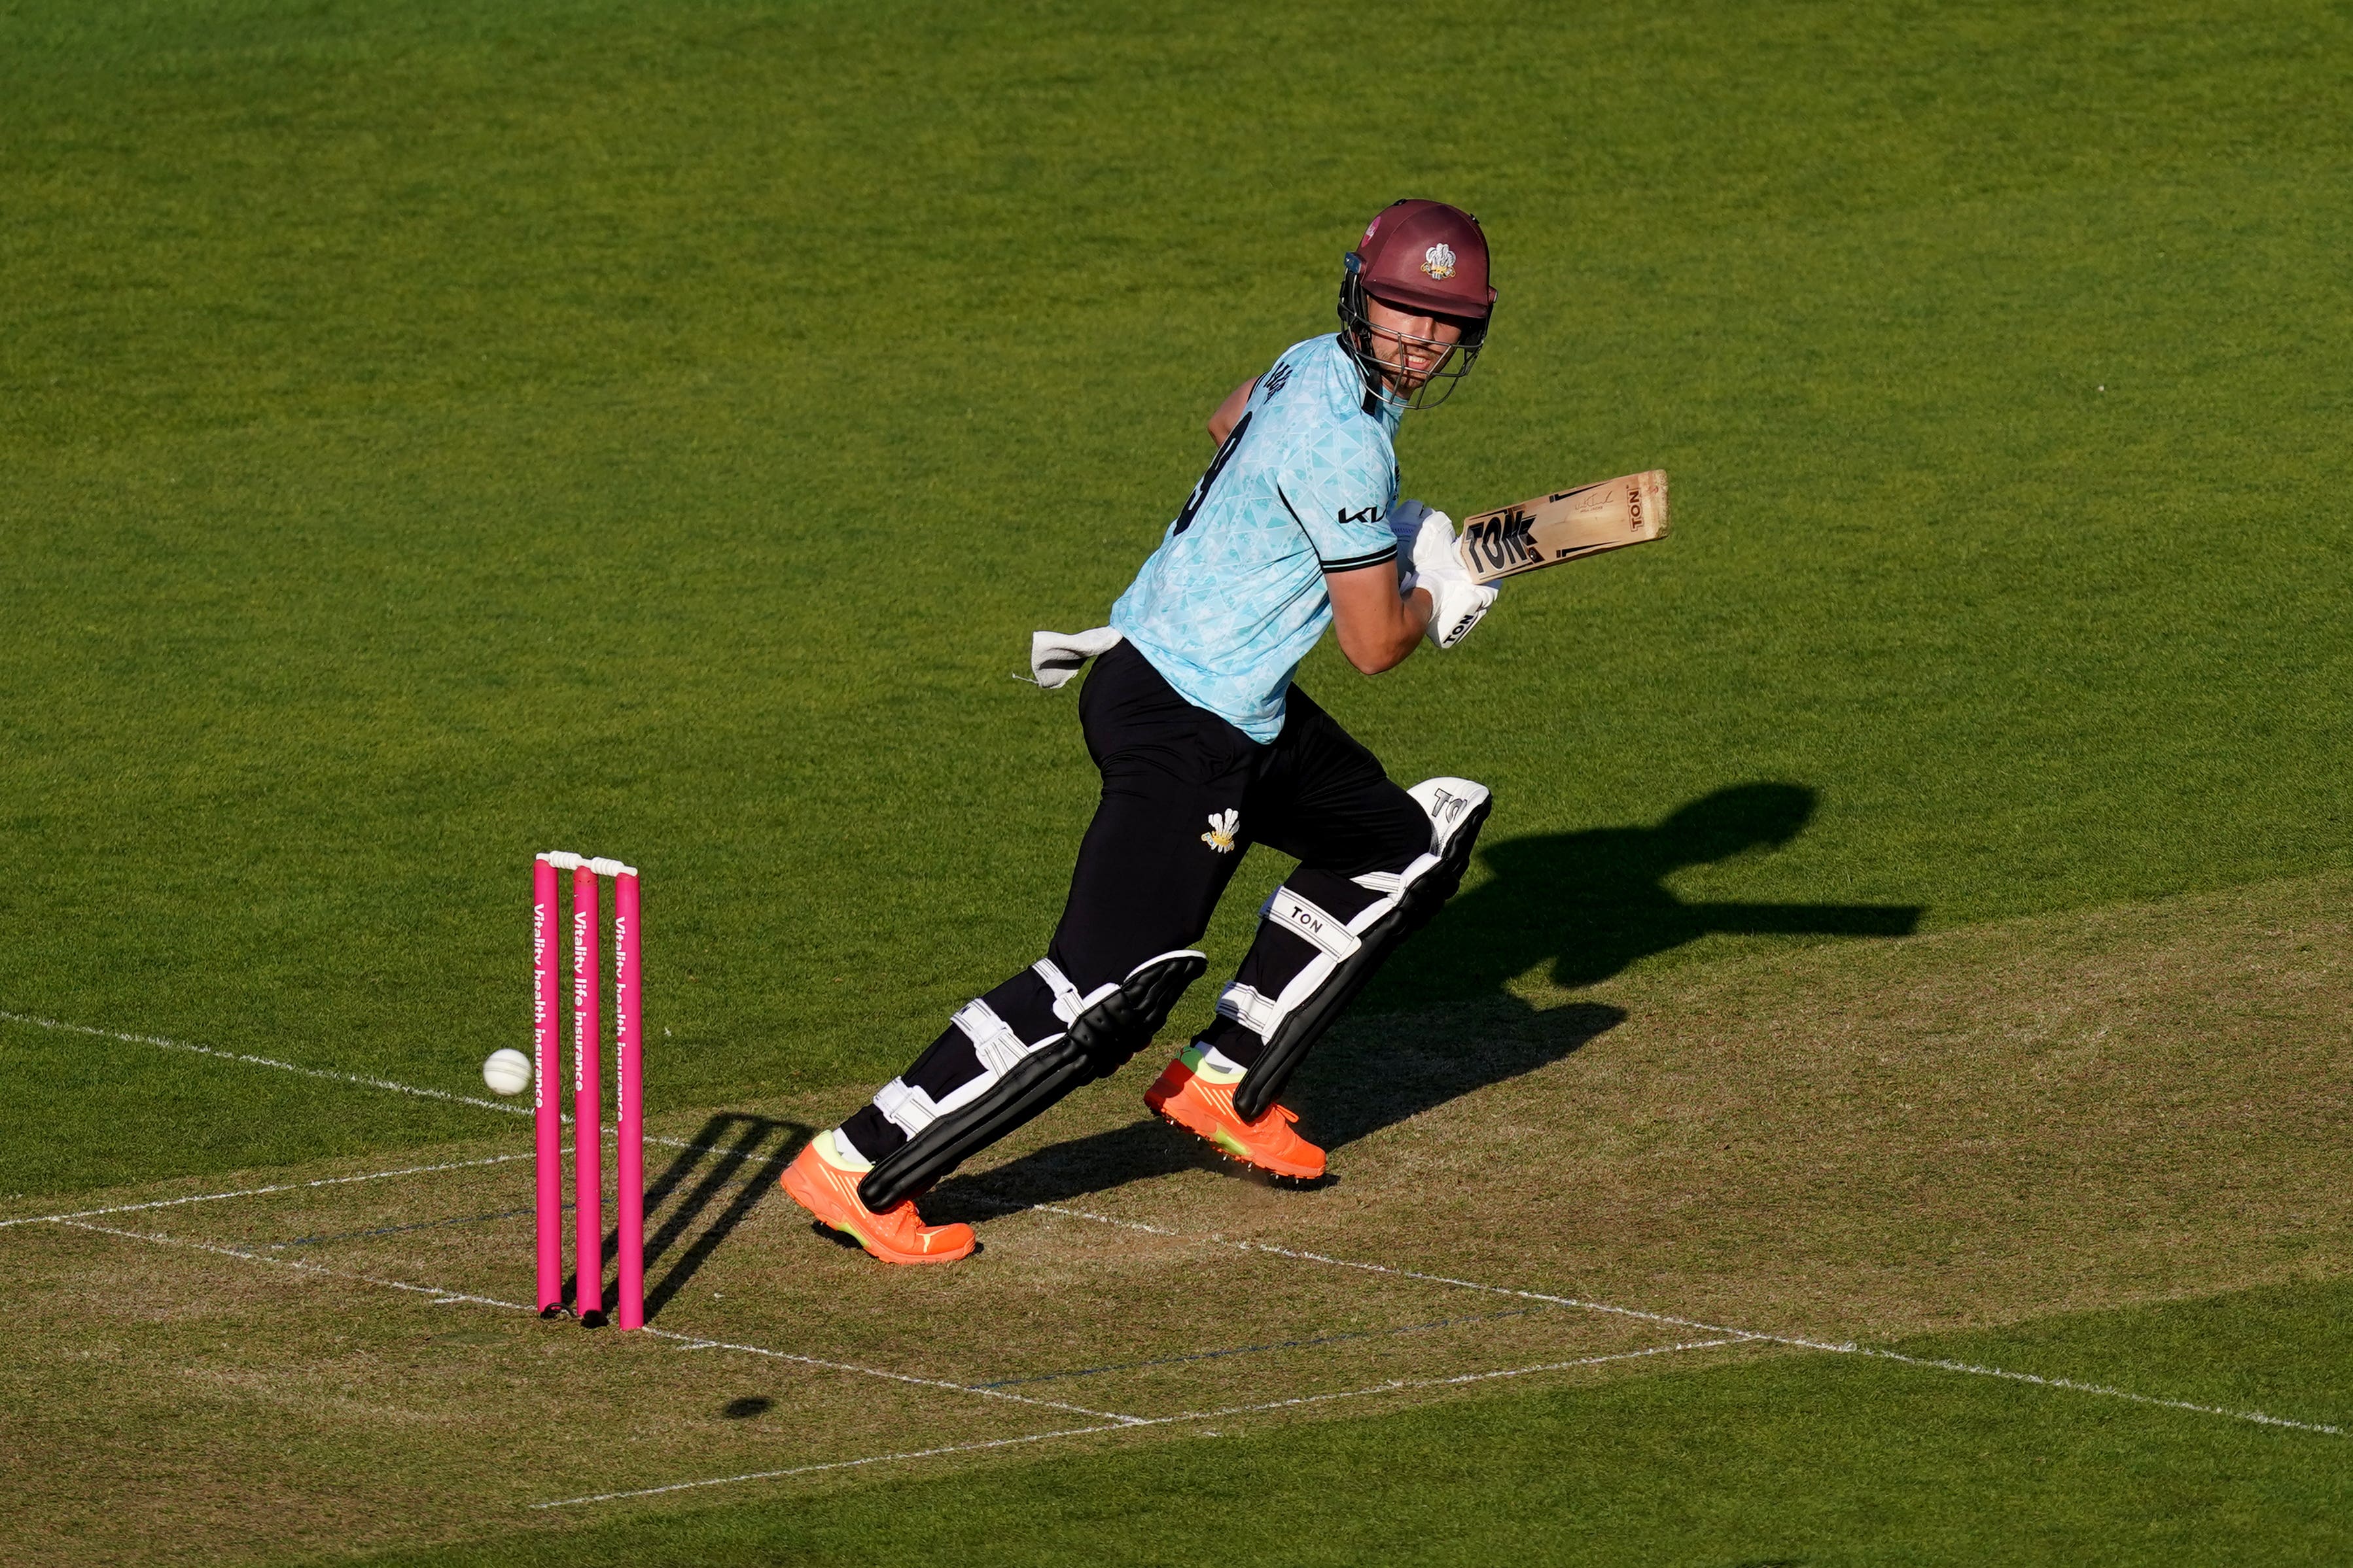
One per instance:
(629, 1159)
(587, 1110)
(546, 1102)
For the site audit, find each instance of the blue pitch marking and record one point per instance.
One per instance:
(1276, 1345)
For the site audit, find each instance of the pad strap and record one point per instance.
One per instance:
(910, 1110)
(1294, 914)
(1392, 883)
(995, 1046)
(1068, 1002)
(1246, 1006)
(1318, 927)
(993, 1039)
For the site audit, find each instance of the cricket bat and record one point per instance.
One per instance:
(1567, 525)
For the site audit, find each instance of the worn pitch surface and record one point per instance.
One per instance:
(1858, 1143)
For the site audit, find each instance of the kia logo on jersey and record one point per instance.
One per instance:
(1369, 514)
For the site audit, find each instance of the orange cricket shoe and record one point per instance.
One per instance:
(1186, 1095)
(829, 1191)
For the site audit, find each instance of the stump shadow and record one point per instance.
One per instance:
(704, 1193)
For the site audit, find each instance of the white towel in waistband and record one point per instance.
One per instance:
(1055, 657)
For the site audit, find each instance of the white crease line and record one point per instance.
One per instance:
(835, 1465)
(260, 1192)
(440, 1296)
(322, 1181)
(699, 1343)
(334, 1077)
(2259, 1417)
(1663, 1318)
(690, 1342)
(327, 1073)
(1009, 1207)
(1396, 1386)
(612, 1136)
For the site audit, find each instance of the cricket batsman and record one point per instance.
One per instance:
(1206, 748)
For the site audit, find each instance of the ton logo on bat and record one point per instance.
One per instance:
(1504, 540)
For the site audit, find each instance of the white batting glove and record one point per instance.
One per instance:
(1456, 602)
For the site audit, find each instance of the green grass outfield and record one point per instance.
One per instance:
(432, 434)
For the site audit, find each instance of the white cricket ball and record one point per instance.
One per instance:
(507, 1071)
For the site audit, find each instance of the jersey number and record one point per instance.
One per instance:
(1210, 475)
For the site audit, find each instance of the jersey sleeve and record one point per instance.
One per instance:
(1338, 490)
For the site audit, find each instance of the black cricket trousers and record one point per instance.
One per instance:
(1183, 794)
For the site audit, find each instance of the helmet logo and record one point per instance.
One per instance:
(1439, 262)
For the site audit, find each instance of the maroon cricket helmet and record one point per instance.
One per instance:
(1420, 257)
(1427, 256)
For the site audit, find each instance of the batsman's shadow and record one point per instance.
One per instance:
(1072, 1169)
(1587, 905)
(708, 1186)
(1580, 907)
(1371, 1075)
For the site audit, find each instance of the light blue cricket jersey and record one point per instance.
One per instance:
(1232, 600)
